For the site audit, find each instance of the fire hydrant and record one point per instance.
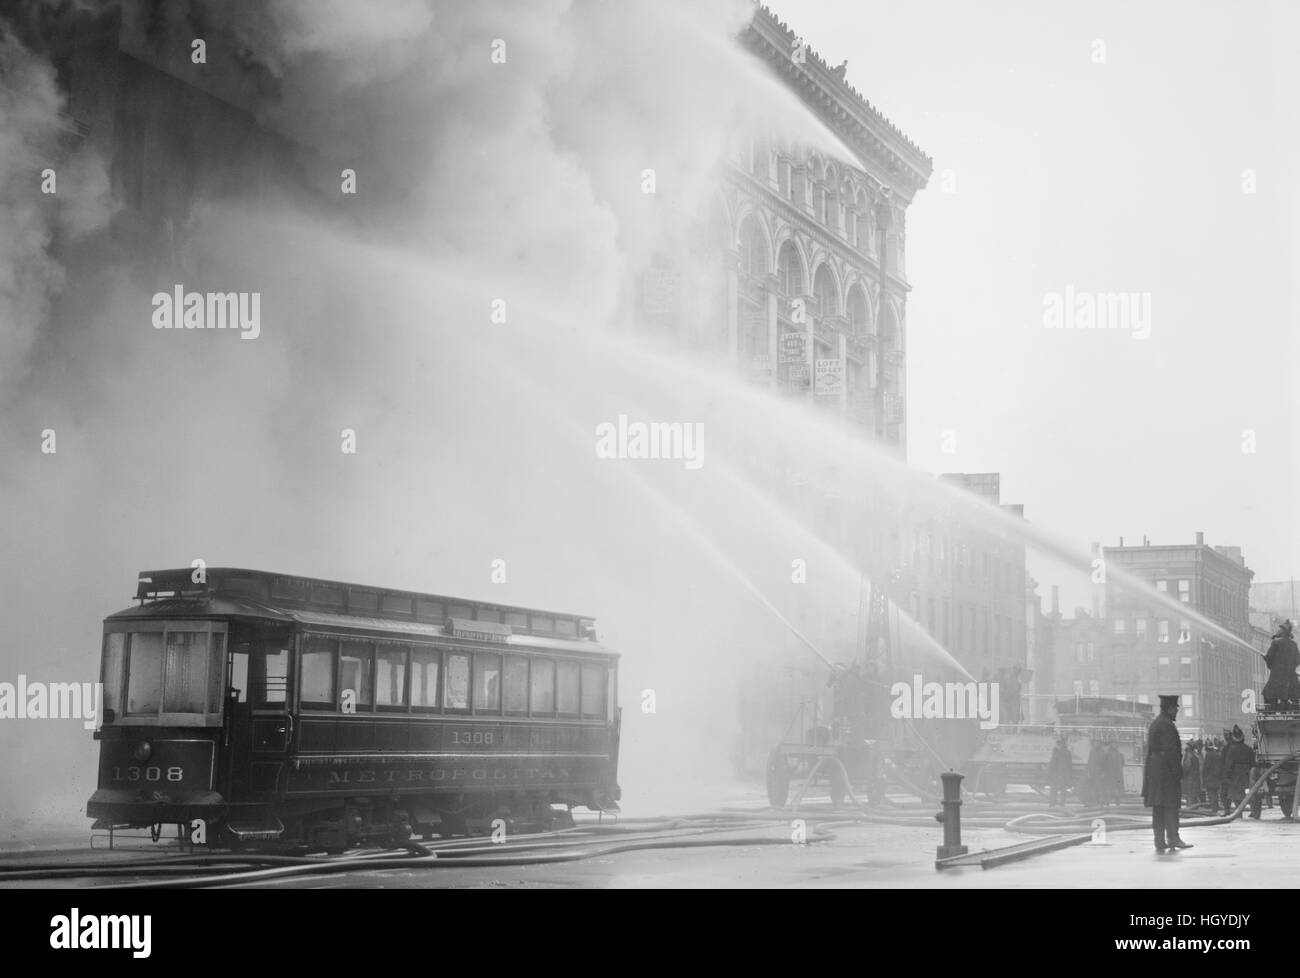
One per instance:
(951, 816)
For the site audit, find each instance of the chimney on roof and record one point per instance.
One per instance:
(1145, 541)
(1056, 600)
(1121, 541)
(1200, 538)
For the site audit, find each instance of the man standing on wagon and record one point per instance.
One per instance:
(1162, 777)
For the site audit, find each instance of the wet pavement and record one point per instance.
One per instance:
(1243, 853)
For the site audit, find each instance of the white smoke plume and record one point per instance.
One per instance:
(478, 180)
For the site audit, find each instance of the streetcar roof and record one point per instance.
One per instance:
(236, 592)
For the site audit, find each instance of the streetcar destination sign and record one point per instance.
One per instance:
(482, 631)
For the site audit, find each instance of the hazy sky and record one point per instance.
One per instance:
(1125, 176)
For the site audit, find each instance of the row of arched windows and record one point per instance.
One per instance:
(755, 261)
(836, 197)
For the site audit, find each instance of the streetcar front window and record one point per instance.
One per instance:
(144, 674)
(164, 669)
(185, 688)
(114, 661)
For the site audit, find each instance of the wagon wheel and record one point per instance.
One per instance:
(839, 787)
(778, 779)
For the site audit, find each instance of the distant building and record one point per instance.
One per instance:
(1082, 661)
(964, 582)
(1156, 650)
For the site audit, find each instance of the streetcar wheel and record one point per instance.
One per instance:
(778, 780)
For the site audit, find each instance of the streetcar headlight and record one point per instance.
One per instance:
(143, 751)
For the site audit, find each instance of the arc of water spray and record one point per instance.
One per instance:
(806, 426)
(697, 534)
(740, 484)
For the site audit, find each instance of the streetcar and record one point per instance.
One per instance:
(254, 708)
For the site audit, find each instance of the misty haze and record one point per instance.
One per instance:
(429, 421)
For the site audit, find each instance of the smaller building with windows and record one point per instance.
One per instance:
(1144, 646)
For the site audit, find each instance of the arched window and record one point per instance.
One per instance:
(790, 270)
(824, 289)
(753, 248)
(858, 311)
(862, 219)
(831, 199)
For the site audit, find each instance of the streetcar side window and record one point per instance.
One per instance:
(144, 673)
(566, 685)
(317, 684)
(239, 674)
(390, 676)
(424, 678)
(114, 660)
(456, 683)
(593, 690)
(515, 684)
(355, 662)
(543, 687)
(271, 671)
(487, 682)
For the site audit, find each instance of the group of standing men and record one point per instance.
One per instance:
(1218, 773)
(1103, 783)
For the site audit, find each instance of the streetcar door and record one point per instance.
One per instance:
(259, 718)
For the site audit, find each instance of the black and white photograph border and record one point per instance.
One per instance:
(649, 444)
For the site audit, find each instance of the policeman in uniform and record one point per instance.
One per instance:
(1162, 789)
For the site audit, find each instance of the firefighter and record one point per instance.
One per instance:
(1211, 767)
(1238, 761)
(1060, 772)
(1223, 769)
(1162, 777)
(1192, 774)
(1282, 691)
(1114, 768)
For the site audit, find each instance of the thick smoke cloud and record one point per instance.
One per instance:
(32, 128)
(477, 181)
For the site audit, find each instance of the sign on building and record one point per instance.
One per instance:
(829, 377)
(794, 347)
(797, 375)
(659, 288)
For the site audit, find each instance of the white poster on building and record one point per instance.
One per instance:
(829, 376)
(794, 347)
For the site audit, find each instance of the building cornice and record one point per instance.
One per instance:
(881, 147)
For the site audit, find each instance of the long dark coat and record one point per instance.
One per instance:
(1238, 759)
(1060, 769)
(1162, 777)
(1211, 769)
(1192, 774)
(1282, 658)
